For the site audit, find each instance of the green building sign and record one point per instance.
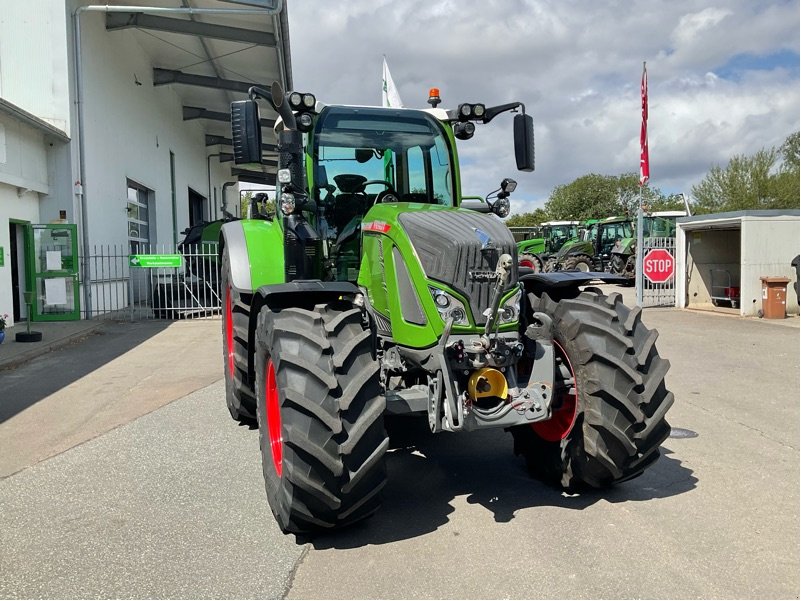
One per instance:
(154, 260)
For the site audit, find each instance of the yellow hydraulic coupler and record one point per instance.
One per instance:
(487, 382)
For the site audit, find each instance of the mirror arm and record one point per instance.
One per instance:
(493, 111)
(257, 92)
(275, 96)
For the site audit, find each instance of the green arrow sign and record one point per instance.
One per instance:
(154, 260)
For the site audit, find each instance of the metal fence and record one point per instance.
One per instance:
(659, 295)
(154, 282)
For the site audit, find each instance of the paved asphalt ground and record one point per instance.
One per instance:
(133, 487)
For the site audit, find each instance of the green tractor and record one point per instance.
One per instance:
(373, 292)
(611, 244)
(538, 253)
(606, 245)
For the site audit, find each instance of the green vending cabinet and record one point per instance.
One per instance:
(51, 259)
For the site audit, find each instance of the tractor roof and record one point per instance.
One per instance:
(667, 214)
(439, 114)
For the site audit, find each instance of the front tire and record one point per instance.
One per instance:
(609, 413)
(578, 262)
(239, 396)
(320, 412)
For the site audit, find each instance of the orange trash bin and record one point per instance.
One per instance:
(774, 297)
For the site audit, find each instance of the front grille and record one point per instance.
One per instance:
(450, 249)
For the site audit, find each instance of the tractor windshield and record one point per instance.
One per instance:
(362, 152)
(659, 226)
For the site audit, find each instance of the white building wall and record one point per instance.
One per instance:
(768, 246)
(23, 174)
(33, 59)
(130, 129)
(23, 158)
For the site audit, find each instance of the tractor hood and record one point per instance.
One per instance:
(461, 248)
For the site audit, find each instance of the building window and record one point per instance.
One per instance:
(197, 208)
(139, 217)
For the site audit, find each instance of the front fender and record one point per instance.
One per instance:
(562, 280)
(255, 249)
(534, 246)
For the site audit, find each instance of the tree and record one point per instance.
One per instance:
(673, 202)
(790, 151)
(753, 182)
(536, 217)
(597, 196)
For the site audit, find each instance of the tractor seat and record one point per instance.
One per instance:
(351, 202)
(350, 183)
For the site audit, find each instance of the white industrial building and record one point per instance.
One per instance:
(720, 259)
(114, 119)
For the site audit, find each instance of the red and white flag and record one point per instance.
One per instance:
(645, 171)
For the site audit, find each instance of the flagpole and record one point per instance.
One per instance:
(645, 173)
(638, 267)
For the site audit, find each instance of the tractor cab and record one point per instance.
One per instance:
(362, 157)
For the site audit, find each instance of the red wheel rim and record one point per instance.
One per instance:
(229, 331)
(273, 417)
(564, 417)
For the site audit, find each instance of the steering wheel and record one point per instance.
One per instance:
(388, 191)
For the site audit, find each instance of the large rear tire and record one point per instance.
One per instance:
(321, 417)
(610, 396)
(578, 262)
(239, 395)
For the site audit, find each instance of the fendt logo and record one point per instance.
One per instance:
(483, 276)
(658, 265)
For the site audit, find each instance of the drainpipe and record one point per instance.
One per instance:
(225, 187)
(80, 187)
(208, 174)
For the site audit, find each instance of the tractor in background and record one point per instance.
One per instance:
(599, 248)
(374, 290)
(538, 253)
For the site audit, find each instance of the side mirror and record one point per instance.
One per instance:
(524, 142)
(246, 131)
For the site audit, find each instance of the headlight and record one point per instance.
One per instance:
(295, 98)
(510, 310)
(287, 203)
(309, 101)
(305, 122)
(479, 110)
(284, 176)
(449, 307)
(502, 207)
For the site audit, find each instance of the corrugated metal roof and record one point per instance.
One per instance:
(210, 60)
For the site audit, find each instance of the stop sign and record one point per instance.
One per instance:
(658, 265)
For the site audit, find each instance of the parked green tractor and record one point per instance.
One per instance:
(372, 291)
(605, 245)
(611, 244)
(537, 253)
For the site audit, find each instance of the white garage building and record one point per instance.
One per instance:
(720, 259)
(114, 131)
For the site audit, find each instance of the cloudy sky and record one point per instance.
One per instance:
(723, 78)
